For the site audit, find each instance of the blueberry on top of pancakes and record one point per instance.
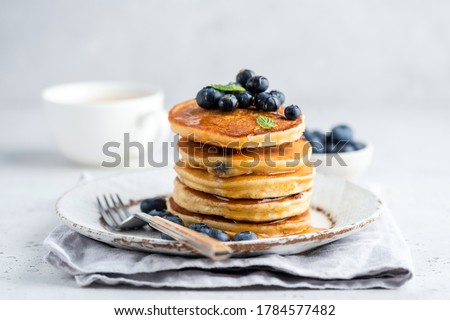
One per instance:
(245, 99)
(228, 103)
(243, 76)
(280, 95)
(208, 98)
(292, 112)
(257, 84)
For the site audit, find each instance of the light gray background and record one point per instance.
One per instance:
(319, 52)
(381, 66)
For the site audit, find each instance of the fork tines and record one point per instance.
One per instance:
(113, 214)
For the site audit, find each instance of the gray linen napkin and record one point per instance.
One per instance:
(377, 257)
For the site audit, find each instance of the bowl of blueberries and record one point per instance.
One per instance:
(337, 152)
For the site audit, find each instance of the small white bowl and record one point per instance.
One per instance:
(349, 165)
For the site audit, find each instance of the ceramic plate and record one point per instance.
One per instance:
(340, 206)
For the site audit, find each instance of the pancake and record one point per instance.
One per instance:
(240, 209)
(247, 186)
(224, 163)
(294, 225)
(237, 129)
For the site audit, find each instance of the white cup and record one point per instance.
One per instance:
(84, 116)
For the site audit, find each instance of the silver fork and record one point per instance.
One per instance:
(118, 217)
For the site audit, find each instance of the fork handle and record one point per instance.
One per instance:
(200, 243)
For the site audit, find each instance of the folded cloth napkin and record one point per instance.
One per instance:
(377, 257)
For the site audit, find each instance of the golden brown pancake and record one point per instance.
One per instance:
(237, 129)
(247, 186)
(240, 209)
(294, 225)
(224, 163)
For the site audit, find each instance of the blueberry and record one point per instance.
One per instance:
(174, 219)
(243, 76)
(339, 146)
(317, 147)
(208, 98)
(165, 236)
(220, 235)
(358, 145)
(347, 148)
(257, 84)
(320, 136)
(342, 132)
(292, 112)
(220, 168)
(245, 235)
(202, 228)
(158, 203)
(228, 103)
(159, 213)
(271, 104)
(279, 95)
(308, 135)
(260, 99)
(245, 99)
(267, 102)
(316, 140)
(328, 138)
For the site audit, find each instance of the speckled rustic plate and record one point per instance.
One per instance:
(340, 206)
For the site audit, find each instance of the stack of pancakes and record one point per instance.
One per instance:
(236, 176)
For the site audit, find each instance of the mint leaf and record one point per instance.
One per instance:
(265, 122)
(231, 87)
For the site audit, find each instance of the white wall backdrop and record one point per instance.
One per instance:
(320, 52)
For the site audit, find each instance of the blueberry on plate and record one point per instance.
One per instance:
(292, 112)
(260, 99)
(257, 84)
(358, 145)
(245, 99)
(158, 203)
(279, 95)
(208, 98)
(174, 219)
(243, 76)
(159, 213)
(228, 103)
(220, 235)
(202, 228)
(165, 236)
(245, 235)
(342, 132)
